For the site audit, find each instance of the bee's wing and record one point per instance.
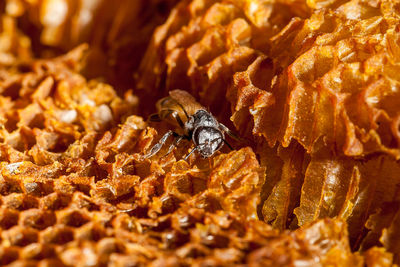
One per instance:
(187, 102)
(176, 108)
(171, 111)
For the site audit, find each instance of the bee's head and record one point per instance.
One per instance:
(208, 140)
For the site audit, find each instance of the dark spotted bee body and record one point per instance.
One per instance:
(193, 123)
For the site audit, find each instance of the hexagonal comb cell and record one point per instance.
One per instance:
(38, 251)
(20, 201)
(8, 218)
(72, 218)
(20, 236)
(8, 255)
(57, 235)
(55, 201)
(38, 219)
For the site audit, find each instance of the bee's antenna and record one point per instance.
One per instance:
(226, 142)
(190, 153)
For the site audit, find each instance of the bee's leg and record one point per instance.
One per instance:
(175, 143)
(229, 132)
(190, 153)
(159, 144)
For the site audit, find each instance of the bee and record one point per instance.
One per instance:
(192, 121)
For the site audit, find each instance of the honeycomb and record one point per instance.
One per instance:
(118, 32)
(76, 190)
(314, 85)
(310, 86)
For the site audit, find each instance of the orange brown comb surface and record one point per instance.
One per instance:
(311, 86)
